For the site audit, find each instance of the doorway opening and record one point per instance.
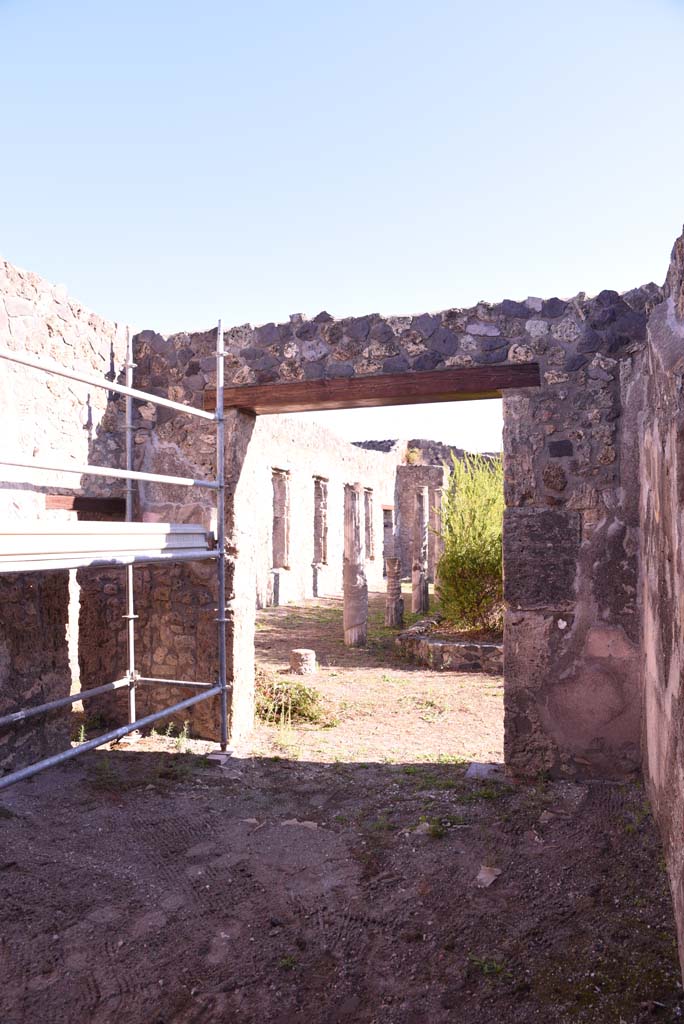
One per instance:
(427, 697)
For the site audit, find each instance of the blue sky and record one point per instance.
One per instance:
(171, 163)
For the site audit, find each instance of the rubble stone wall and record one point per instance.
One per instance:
(176, 634)
(48, 418)
(572, 648)
(661, 439)
(571, 540)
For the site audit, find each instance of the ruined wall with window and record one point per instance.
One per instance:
(571, 533)
(316, 466)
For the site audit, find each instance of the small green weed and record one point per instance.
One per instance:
(491, 791)
(288, 963)
(489, 966)
(107, 779)
(382, 824)
(178, 769)
(440, 825)
(182, 738)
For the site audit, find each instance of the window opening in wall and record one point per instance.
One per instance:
(368, 521)
(281, 519)
(320, 521)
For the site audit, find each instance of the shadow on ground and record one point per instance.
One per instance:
(163, 887)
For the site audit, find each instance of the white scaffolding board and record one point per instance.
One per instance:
(54, 545)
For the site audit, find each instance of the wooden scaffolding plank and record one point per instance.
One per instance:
(112, 508)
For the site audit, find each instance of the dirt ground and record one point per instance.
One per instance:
(335, 882)
(379, 706)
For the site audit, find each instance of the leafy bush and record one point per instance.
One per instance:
(470, 588)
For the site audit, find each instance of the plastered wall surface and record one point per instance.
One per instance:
(306, 451)
(661, 439)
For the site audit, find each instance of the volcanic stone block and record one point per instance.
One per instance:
(541, 548)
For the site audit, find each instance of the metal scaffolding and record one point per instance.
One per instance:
(48, 546)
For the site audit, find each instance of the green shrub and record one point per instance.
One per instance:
(284, 702)
(470, 588)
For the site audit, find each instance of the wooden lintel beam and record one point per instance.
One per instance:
(113, 508)
(414, 388)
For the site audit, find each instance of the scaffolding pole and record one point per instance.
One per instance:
(99, 741)
(130, 615)
(133, 677)
(49, 366)
(116, 474)
(61, 702)
(221, 531)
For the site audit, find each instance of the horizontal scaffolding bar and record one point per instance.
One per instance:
(61, 702)
(119, 474)
(108, 737)
(49, 366)
(173, 682)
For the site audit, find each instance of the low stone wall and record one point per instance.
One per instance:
(443, 654)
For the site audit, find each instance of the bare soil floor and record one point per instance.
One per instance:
(379, 707)
(335, 882)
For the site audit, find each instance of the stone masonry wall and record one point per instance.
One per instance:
(571, 528)
(661, 439)
(176, 634)
(52, 419)
(571, 531)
